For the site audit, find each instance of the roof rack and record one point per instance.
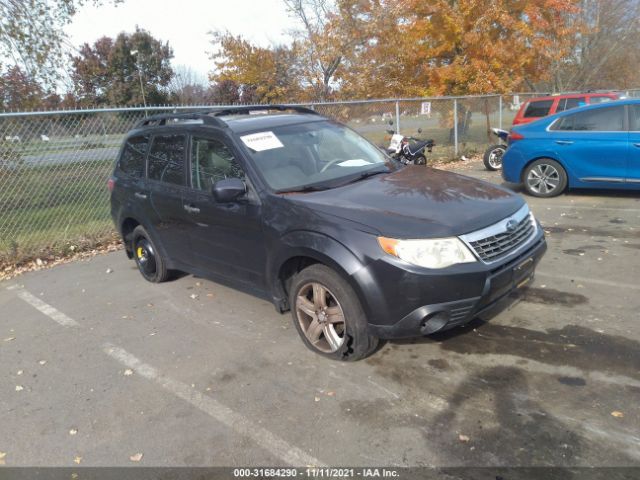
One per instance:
(248, 109)
(201, 116)
(208, 116)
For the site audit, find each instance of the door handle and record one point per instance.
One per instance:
(564, 142)
(191, 209)
(140, 195)
(636, 145)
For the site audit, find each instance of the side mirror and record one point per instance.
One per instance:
(228, 190)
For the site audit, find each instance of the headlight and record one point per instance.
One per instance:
(433, 253)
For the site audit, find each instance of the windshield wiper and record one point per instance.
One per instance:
(364, 175)
(302, 189)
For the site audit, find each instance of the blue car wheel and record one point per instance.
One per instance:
(545, 178)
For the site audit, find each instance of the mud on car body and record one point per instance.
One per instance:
(298, 209)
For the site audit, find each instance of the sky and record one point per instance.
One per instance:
(185, 23)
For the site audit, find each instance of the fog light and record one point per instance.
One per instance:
(433, 322)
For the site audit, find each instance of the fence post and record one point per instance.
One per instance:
(500, 111)
(455, 126)
(397, 116)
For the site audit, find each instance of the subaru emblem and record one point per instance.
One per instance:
(512, 225)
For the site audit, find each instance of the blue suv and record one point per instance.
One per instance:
(597, 146)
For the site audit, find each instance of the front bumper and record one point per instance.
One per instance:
(491, 287)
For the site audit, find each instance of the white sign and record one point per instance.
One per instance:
(261, 141)
(425, 108)
(356, 162)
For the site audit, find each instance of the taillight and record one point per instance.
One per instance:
(110, 184)
(513, 136)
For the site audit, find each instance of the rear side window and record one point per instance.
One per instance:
(569, 103)
(594, 100)
(132, 159)
(634, 118)
(538, 109)
(601, 120)
(166, 159)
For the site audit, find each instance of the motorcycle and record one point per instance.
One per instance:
(493, 155)
(409, 150)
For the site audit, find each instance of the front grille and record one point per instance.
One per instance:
(492, 247)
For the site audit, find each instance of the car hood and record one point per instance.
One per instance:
(416, 202)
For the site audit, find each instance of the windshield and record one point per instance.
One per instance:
(313, 155)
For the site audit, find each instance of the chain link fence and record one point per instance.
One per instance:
(54, 166)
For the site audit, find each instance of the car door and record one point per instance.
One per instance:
(226, 239)
(633, 166)
(166, 172)
(593, 144)
(131, 189)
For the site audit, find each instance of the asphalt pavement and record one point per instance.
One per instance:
(99, 367)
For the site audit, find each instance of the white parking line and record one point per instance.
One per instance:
(48, 310)
(223, 414)
(607, 283)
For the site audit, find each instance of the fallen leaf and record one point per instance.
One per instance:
(331, 394)
(109, 270)
(463, 438)
(317, 399)
(9, 339)
(128, 372)
(136, 458)
(19, 388)
(42, 362)
(193, 296)
(617, 414)
(19, 372)
(209, 294)
(2, 457)
(73, 431)
(77, 460)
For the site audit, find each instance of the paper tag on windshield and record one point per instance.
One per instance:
(261, 141)
(356, 162)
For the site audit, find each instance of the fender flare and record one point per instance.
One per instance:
(319, 247)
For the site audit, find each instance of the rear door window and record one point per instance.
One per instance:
(601, 120)
(538, 108)
(594, 100)
(569, 103)
(167, 159)
(133, 154)
(634, 118)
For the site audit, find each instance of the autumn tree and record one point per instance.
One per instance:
(19, 91)
(109, 71)
(187, 87)
(32, 36)
(326, 38)
(605, 54)
(263, 75)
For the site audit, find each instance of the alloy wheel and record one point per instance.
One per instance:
(321, 317)
(543, 178)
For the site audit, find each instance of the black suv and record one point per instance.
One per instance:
(288, 205)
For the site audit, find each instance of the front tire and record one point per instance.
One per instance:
(544, 178)
(493, 157)
(148, 258)
(328, 315)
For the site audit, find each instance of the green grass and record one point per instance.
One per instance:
(46, 210)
